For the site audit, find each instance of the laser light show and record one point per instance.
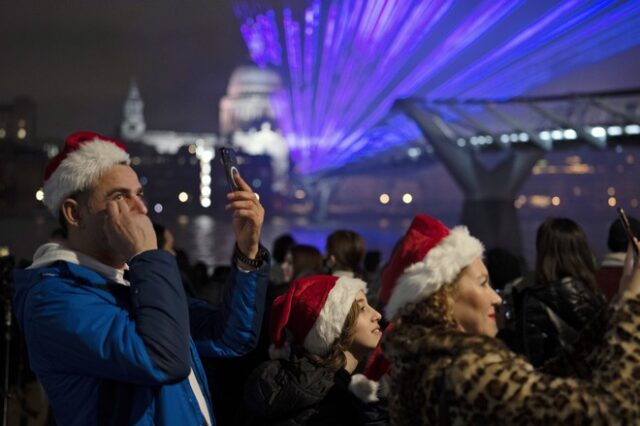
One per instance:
(344, 63)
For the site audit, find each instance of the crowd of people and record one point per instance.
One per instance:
(122, 329)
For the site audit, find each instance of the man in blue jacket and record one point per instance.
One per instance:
(108, 326)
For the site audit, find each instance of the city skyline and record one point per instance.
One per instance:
(77, 60)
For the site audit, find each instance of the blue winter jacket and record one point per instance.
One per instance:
(111, 354)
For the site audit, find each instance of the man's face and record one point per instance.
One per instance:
(120, 182)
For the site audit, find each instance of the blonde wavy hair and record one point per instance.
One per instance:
(435, 310)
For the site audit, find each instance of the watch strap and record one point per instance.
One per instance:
(261, 258)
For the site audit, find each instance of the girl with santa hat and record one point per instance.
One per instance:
(321, 328)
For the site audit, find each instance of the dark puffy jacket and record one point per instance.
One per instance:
(550, 316)
(297, 392)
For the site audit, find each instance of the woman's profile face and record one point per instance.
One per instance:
(367, 334)
(475, 301)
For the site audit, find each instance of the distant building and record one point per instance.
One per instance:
(178, 168)
(133, 126)
(21, 178)
(164, 165)
(248, 118)
(18, 120)
(23, 156)
(248, 102)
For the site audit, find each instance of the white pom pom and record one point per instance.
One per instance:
(280, 353)
(365, 389)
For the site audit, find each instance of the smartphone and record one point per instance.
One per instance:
(627, 230)
(228, 160)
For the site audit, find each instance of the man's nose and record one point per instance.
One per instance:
(138, 204)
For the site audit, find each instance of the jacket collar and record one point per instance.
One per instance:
(49, 253)
(614, 259)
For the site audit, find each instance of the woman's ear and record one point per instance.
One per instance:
(70, 210)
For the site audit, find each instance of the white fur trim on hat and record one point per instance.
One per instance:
(440, 266)
(328, 325)
(80, 170)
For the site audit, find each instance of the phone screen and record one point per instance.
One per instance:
(228, 159)
(627, 229)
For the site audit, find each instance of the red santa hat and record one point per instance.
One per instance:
(312, 312)
(85, 156)
(429, 256)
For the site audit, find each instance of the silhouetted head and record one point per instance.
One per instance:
(562, 250)
(345, 251)
(281, 245)
(618, 241)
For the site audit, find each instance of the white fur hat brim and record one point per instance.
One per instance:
(80, 170)
(328, 325)
(441, 265)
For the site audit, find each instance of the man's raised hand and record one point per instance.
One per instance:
(248, 217)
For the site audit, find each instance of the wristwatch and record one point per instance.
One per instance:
(261, 258)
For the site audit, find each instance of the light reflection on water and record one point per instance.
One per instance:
(211, 240)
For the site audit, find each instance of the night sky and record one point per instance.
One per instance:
(76, 58)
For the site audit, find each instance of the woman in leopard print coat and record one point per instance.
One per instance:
(448, 368)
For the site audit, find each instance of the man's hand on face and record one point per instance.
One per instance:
(128, 231)
(248, 217)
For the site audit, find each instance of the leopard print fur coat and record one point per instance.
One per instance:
(445, 376)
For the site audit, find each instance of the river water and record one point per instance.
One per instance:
(211, 240)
